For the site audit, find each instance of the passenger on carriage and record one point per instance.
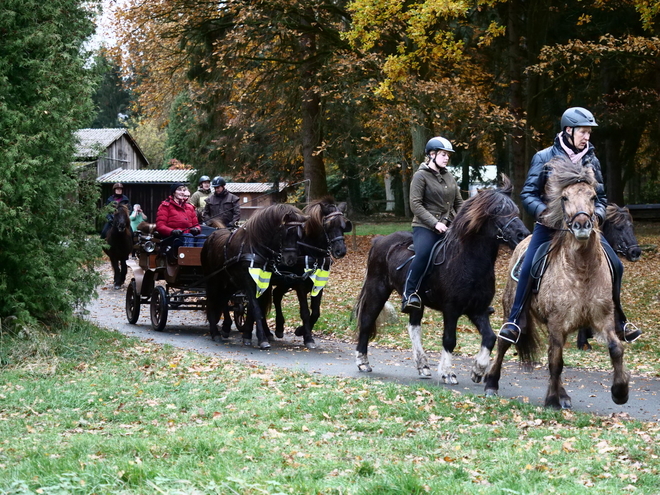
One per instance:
(176, 221)
(222, 205)
(571, 142)
(434, 200)
(117, 198)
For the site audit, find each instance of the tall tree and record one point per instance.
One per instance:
(111, 99)
(46, 256)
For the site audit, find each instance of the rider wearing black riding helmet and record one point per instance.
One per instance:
(117, 198)
(221, 205)
(572, 142)
(434, 200)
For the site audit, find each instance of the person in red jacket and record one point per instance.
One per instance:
(176, 220)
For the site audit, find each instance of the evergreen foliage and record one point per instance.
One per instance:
(46, 212)
(112, 100)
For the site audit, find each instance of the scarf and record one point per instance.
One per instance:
(574, 156)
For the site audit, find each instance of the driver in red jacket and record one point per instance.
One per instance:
(176, 219)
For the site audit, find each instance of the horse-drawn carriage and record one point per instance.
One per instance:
(184, 285)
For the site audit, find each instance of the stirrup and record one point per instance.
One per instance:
(413, 301)
(632, 330)
(509, 339)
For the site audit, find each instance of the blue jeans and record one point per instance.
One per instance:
(190, 240)
(423, 240)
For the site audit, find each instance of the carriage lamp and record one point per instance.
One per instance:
(149, 246)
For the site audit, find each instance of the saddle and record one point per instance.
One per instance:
(434, 252)
(540, 265)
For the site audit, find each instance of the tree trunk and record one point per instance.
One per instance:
(311, 128)
(517, 139)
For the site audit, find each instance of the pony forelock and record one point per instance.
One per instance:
(563, 173)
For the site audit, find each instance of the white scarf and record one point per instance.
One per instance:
(572, 155)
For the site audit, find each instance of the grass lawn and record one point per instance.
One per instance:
(90, 411)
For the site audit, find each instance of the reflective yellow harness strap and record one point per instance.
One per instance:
(261, 279)
(319, 278)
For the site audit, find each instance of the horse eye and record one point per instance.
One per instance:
(564, 198)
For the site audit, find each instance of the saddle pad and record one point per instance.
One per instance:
(539, 265)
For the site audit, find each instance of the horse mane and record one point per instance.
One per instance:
(314, 224)
(476, 210)
(259, 228)
(563, 173)
(122, 209)
(617, 215)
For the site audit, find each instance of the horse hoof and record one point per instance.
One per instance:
(566, 404)
(476, 378)
(116, 286)
(364, 368)
(310, 345)
(225, 335)
(424, 372)
(264, 345)
(491, 392)
(247, 342)
(450, 379)
(620, 394)
(279, 334)
(300, 331)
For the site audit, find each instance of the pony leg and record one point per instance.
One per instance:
(448, 344)
(278, 295)
(482, 359)
(226, 321)
(420, 358)
(215, 302)
(556, 396)
(123, 272)
(619, 388)
(305, 330)
(257, 315)
(492, 379)
(370, 305)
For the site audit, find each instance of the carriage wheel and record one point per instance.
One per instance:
(240, 313)
(159, 308)
(132, 302)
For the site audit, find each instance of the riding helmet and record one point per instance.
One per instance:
(438, 143)
(218, 182)
(118, 185)
(203, 178)
(577, 117)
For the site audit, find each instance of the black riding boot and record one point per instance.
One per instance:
(625, 330)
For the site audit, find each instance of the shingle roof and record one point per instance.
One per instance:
(146, 176)
(92, 142)
(172, 176)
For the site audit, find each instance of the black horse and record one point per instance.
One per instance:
(323, 239)
(460, 279)
(120, 241)
(242, 260)
(618, 230)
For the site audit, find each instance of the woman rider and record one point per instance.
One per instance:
(572, 142)
(434, 200)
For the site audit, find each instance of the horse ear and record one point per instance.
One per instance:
(342, 206)
(506, 186)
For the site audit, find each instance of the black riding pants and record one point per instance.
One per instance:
(423, 240)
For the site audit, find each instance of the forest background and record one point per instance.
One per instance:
(344, 92)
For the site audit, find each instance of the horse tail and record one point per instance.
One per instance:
(530, 340)
(367, 323)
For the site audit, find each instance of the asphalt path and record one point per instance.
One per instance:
(589, 390)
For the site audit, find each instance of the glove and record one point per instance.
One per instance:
(195, 231)
(177, 232)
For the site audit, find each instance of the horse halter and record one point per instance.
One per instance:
(501, 236)
(327, 237)
(286, 228)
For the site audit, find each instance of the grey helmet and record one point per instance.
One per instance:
(218, 182)
(577, 117)
(203, 178)
(438, 143)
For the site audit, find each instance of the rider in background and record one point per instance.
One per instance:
(199, 197)
(573, 142)
(117, 198)
(434, 200)
(222, 205)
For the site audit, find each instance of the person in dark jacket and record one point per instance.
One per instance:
(117, 198)
(434, 200)
(572, 142)
(176, 220)
(221, 205)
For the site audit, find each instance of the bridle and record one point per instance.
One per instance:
(501, 235)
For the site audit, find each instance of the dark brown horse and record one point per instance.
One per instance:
(460, 281)
(618, 230)
(323, 239)
(242, 260)
(575, 291)
(120, 241)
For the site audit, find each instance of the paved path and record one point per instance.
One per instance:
(187, 329)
